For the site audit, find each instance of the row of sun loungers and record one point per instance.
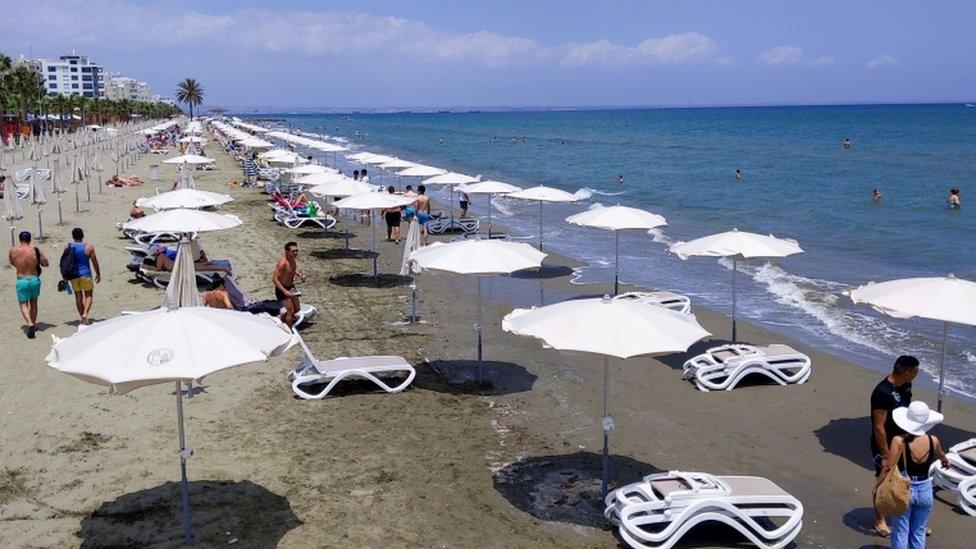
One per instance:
(960, 476)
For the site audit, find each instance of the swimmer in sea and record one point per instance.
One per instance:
(620, 179)
(738, 174)
(953, 199)
(876, 195)
(848, 143)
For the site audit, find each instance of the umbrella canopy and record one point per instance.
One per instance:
(377, 159)
(397, 164)
(310, 169)
(608, 327)
(183, 220)
(450, 178)
(168, 345)
(192, 139)
(617, 218)
(479, 258)
(184, 198)
(737, 245)
(948, 299)
(374, 201)
(421, 170)
(543, 194)
(321, 178)
(188, 159)
(341, 187)
(489, 188)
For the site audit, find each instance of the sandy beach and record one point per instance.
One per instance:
(445, 463)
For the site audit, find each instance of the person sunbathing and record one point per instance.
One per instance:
(164, 258)
(136, 212)
(217, 297)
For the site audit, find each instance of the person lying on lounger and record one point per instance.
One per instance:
(163, 258)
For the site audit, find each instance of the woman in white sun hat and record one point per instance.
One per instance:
(920, 451)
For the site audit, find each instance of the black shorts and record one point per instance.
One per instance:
(280, 296)
(393, 219)
(464, 204)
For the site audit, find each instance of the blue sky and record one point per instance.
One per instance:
(342, 54)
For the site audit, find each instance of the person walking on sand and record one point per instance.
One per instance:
(283, 279)
(913, 453)
(392, 216)
(893, 392)
(82, 284)
(27, 260)
(422, 206)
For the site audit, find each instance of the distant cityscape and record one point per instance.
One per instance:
(78, 75)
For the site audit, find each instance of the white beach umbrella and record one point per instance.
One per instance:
(737, 245)
(375, 159)
(397, 164)
(480, 258)
(421, 170)
(307, 169)
(184, 198)
(168, 345)
(181, 291)
(192, 139)
(617, 218)
(490, 188)
(372, 201)
(543, 194)
(948, 299)
(12, 209)
(453, 179)
(189, 159)
(342, 187)
(322, 178)
(183, 220)
(608, 327)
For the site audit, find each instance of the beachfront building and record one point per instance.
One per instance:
(123, 87)
(72, 75)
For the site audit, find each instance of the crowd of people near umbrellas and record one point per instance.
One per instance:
(613, 327)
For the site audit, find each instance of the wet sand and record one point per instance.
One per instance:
(445, 463)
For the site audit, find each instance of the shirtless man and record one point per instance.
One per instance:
(28, 260)
(422, 205)
(283, 279)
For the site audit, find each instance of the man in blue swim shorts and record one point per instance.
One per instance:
(28, 260)
(422, 204)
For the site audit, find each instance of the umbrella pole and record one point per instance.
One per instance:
(477, 328)
(540, 225)
(735, 268)
(77, 199)
(12, 230)
(616, 261)
(489, 216)
(60, 211)
(607, 427)
(945, 337)
(40, 224)
(184, 455)
(376, 276)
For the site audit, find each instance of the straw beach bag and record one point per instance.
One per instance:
(892, 496)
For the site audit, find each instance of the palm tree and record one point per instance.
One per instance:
(190, 92)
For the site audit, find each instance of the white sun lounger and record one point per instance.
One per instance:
(242, 300)
(668, 300)
(960, 477)
(468, 225)
(659, 510)
(160, 278)
(294, 220)
(312, 371)
(722, 368)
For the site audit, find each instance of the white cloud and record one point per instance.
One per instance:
(332, 33)
(782, 55)
(885, 60)
(823, 61)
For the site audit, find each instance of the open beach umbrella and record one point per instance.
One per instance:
(617, 218)
(420, 170)
(340, 186)
(479, 258)
(453, 179)
(168, 345)
(307, 169)
(371, 202)
(183, 220)
(490, 188)
(607, 327)
(397, 164)
(184, 198)
(376, 159)
(189, 159)
(736, 245)
(543, 194)
(945, 298)
(323, 178)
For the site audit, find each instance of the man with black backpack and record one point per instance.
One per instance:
(28, 260)
(77, 263)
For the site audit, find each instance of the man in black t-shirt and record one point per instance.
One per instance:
(894, 391)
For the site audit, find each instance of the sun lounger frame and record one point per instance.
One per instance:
(710, 371)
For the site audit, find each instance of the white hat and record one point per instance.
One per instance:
(916, 419)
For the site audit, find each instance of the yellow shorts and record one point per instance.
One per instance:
(83, 284)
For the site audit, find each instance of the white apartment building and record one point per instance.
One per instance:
(122, 87)
(72, 75)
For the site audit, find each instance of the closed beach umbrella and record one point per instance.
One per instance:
(12, 209)
(948, 299)
(168, 345)
(543, 194)
(372, 201)
(184, 198)
(607, 327)
(737, 245)
(490, 188)
(183, 220)
(181, 291)
(479, 258)
(617, 218)
(36, 194)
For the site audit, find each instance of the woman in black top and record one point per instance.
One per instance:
(913, 453)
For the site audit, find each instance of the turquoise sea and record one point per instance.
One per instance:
(798, 181)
